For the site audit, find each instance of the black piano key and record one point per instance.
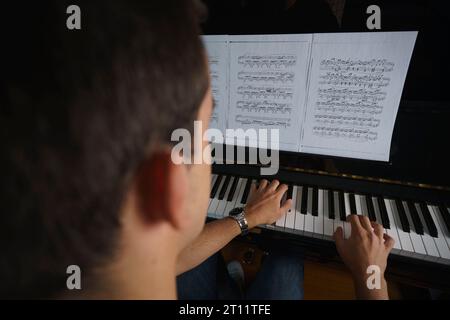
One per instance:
(331, 212)
(290, 191)
(370, 208)
(342, 206)
(304, 204)
(233, 189)
(215, 187)
(428, 220)
(418, 226)
(445, 216)
(246, 191)
(351, 197)
(383, 213)
(402, 215)
(224, 187)
(315, 202)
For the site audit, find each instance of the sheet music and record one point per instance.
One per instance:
(355, 86)
(268, 84)
(332, 94)
(217, 50)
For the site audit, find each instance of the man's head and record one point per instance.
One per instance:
(85, 122)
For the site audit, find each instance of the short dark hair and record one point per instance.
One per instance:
(80, 111)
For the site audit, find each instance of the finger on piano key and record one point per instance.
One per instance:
(347, 225)
(378, 220)
(290, 216)
(440, 241)
(299, 217)
(428, 220)
(318, 220)
(418, 226)
(340, 213)
(309, 218)
(363, 204)
(327, 222)
(383, 213)
(405, 240)
(401, 214)
(371, 209)
(392, 231)
(416, 239)
(220, 211)
(233, 202)
(282, 220)
(445, 217)
(428, 242)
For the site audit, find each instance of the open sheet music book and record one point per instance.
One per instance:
(331, 93)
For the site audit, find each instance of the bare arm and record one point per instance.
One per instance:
(263, 207)
(367, 247)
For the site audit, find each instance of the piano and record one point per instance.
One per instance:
(409, 195)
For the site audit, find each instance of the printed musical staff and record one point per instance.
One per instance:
(250, 92)
(268, 122)
(266, 76)
(267, 61)
(264, 107)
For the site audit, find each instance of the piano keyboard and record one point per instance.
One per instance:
(420, 230)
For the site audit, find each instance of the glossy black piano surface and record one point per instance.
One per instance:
(417, 177)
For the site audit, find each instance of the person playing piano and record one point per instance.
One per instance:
(88, 182)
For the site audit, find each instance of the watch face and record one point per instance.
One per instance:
(236, 211)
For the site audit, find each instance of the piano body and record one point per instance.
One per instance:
(409, 195)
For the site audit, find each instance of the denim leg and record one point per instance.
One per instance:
(208, 281)
(280, 278)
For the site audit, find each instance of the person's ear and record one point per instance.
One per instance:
(161, 190)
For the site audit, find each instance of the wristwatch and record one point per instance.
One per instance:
(238, 214)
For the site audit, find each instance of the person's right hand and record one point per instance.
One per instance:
(263, 206)
(367, 245)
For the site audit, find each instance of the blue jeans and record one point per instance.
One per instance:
(280, 278)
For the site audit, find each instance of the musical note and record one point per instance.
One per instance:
(268, 61)
(265, 92)
(264, 107)
(252, 121)
(266, 76)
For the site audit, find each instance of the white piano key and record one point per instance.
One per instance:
(327, 222)
(337, 215)
(309, 219)
(416, 239)
(233, 203)
(215, 201)
(282, 220)
(223, 203)
(347, 225)
(318, 221)
(358, 205)
(290, 216)
(364, 210)
(299, 217)
(428, 242)
(405, 240)
(392, 231)
(440, 242)
(442, 225)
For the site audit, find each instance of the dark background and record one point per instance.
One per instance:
(420, 145)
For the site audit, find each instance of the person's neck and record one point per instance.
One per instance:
(143, 272)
